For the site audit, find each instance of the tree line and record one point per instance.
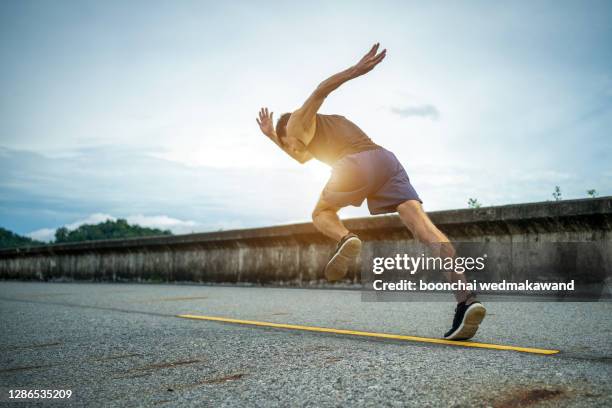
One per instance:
(108, 229)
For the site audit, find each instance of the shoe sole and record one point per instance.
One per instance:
(471, 321)
(337, 267)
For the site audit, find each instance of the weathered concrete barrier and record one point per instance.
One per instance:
(296, 254)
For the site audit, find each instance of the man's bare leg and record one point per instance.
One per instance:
(326, 220)
(469, 312)
(416, 220)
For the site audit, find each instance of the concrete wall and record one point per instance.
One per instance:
(296, 254)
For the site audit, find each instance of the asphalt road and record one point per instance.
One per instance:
(122, 345)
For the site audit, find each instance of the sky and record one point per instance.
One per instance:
(146, 110)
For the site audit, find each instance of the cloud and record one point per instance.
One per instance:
(91, 185)
(423, 111)
(39, 193)
(164, 222)
(43, 234)
(91, 219)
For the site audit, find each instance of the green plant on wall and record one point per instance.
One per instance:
(473, 203)
(557, 193)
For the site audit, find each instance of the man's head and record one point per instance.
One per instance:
(281, 127)
(287, 141)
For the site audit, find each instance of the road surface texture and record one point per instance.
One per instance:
(122, 345)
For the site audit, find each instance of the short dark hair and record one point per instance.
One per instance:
(281, 124)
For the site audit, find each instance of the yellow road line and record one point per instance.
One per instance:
(370, 334)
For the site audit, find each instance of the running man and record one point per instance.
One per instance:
(361, 170)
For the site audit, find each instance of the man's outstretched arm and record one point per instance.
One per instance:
(266, 124)
(305, 118)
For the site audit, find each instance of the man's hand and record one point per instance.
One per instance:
(370, 60)
(304, 119)
(266, 124)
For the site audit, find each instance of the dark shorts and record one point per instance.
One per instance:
(374, 174)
